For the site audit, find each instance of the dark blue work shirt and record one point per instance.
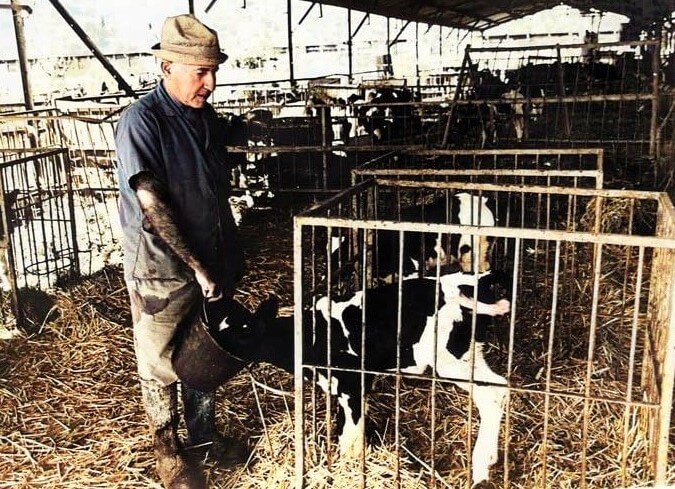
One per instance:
(184, 149)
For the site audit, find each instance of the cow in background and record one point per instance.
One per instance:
(388, 116)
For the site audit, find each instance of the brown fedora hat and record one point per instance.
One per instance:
(186, 40)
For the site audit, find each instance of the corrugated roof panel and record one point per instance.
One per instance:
(481, 15)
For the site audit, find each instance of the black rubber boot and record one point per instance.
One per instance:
(203, 438)
(173, 469)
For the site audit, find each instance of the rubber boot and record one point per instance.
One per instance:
(172, 468)
(203, 438)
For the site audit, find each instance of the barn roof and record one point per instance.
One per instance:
(484, 14)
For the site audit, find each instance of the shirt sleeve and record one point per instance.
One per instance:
(137, 138)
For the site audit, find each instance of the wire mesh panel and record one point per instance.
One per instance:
(558, 167)
(87, 133)
(569, 387)
(604, 95)
(87, 130)
(39, 241)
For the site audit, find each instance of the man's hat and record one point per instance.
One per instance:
(186, 40)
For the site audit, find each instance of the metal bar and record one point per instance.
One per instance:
(20, 36)
(497, 49)
(654, 123)
(516, 152)
(549, 360)
(209, 6)
(612, 193)
(71, 210)
(350, 47)
(191, 7)
(289, 27)
(297, 352)
(509, 365)
(316, 149)
(631, 363)
(538, 234)
(466, 61)
(309, 9)
(400, 32)
(93, 49)
(561, 93)
(497, 172)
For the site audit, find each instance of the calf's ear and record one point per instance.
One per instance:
(268, 310)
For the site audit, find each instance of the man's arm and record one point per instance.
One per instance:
(155, 206)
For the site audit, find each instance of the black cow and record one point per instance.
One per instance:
(388, 116)
(430, 338)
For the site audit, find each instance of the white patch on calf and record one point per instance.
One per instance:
(489, 399)
(351, 440)
(448, 314)
(473, 211)
(335, 242)
(336, 310)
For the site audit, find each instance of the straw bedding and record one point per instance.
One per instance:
(70, 412)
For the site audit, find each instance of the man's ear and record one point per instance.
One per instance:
(165, 66)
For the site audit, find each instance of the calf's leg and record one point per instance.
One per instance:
(489, 400)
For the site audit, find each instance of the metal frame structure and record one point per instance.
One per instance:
(563, 249)
(582, 167)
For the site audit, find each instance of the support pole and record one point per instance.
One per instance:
(21, 48)
(93, 49)
(289, 23)
(191, 6)
(350, 55)
(561, 93)
(654, 123)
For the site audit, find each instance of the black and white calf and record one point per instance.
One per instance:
(423, 251)
(431, 337)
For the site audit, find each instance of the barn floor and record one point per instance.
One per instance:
(71, 417)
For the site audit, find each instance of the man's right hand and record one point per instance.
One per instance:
(210, 289)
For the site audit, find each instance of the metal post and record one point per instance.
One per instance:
(298, 356)
(289, 23)
(654, 131)
(561, 93)
(349, 45)
(21, 48)
(92, 47)
(191, 6)
(417, 55)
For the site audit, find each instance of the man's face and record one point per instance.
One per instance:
(191, 85)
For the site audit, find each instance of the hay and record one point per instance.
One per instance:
(71, 417)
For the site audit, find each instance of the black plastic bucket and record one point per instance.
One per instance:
(200, 362)
(221, 341)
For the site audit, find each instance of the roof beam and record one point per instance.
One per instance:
(400, 32)
(93, 48)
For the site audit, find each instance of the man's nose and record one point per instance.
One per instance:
(210, 81)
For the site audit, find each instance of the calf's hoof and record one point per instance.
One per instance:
(176, 472)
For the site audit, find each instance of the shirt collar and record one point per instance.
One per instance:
(171, 106)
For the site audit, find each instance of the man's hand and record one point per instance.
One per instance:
(210, 289)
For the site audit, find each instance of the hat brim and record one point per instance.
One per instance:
(188, 59)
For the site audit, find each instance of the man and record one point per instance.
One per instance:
(179, 235)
